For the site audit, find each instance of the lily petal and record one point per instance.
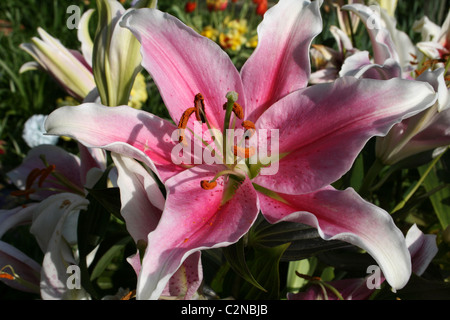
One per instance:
(284, 39)
(422, 247)
(322, 148)
(382, 43)
(186, 281)
(193, 219)
(15, 217)
(124, 130)
(66, 164)
(27, 269)
(56, 239)
(345, 216)
(183, 63)
(142, 201)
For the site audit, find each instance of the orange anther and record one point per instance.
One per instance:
(182, 124)
(249, 126)
(5, 275)
(237, 109)
(207, 185)
(199, 104)
(244, 152)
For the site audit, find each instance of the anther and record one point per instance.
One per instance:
(45, 173)
(249, 126)
(199, 104)
(208, 185)
(25, 193)
(237, 110)
(182, 124)
(244, 152)
(32, 176)
(5, 275)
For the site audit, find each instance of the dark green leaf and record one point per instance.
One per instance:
(236, 257)
(109, 198)
(264, 265)
(109, 255)
(304, 240)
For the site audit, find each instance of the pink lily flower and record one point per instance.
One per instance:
(435, 42)
(392, 48)
(425, 131)
(321, 128)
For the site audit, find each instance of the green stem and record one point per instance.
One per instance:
(402, 203)
(231, 99)
(370, 177)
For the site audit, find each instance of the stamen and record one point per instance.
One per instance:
(25, 193)
(244, 152)
(32, 176)
(208, 185)
(237, 110)
(45, 173)
(182, 124)
(5, 275)
(199, 104)
(249, 126)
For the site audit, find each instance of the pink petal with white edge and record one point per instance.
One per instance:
(16, 217)
(382, 43)
(142, 201)
(183, 63)
(124, 130)
(193, 219)
(422, 247)
(359, 65)
(280, 63)
(324, 127)
(188, 278)
(344, 215)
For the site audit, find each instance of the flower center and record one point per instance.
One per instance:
(233, 156)
(36, 178)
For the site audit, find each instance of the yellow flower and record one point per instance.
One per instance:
(138, 94)
(232, 40)
(210, 33)
(252, 42)
(234, 36)
(239, 26)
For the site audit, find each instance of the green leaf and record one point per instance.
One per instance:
(264, 265)
(305, 266)
(357, 173)
(92, 226)
(109, 255)
(441, 198)
(236, 257)
(419, 288)
(109, 198)
(304, 240)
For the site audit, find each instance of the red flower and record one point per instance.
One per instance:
(261, 8)
(190, 6)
